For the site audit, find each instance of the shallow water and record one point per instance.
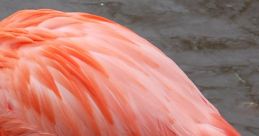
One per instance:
(216, 42)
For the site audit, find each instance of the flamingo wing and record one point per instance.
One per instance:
(75, 74)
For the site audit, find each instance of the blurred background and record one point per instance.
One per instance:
(216, 42)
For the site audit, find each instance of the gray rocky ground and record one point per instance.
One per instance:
(216, 42)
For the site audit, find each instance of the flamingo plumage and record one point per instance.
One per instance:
(78, 74)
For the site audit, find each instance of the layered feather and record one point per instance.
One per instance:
(77, 74)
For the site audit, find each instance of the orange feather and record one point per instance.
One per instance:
(77, 74)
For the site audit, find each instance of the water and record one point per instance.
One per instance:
(216, 42)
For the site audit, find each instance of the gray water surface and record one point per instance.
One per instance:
(216, 42)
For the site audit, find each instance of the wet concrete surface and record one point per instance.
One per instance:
(216, 42)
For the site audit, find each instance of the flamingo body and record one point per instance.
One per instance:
(77, 74)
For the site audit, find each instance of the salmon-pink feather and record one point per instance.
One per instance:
(77, 74)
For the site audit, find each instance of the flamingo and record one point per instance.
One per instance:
(78, 74)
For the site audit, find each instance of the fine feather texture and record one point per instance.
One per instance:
(77, 74)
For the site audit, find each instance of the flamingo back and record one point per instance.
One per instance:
(77, 74)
